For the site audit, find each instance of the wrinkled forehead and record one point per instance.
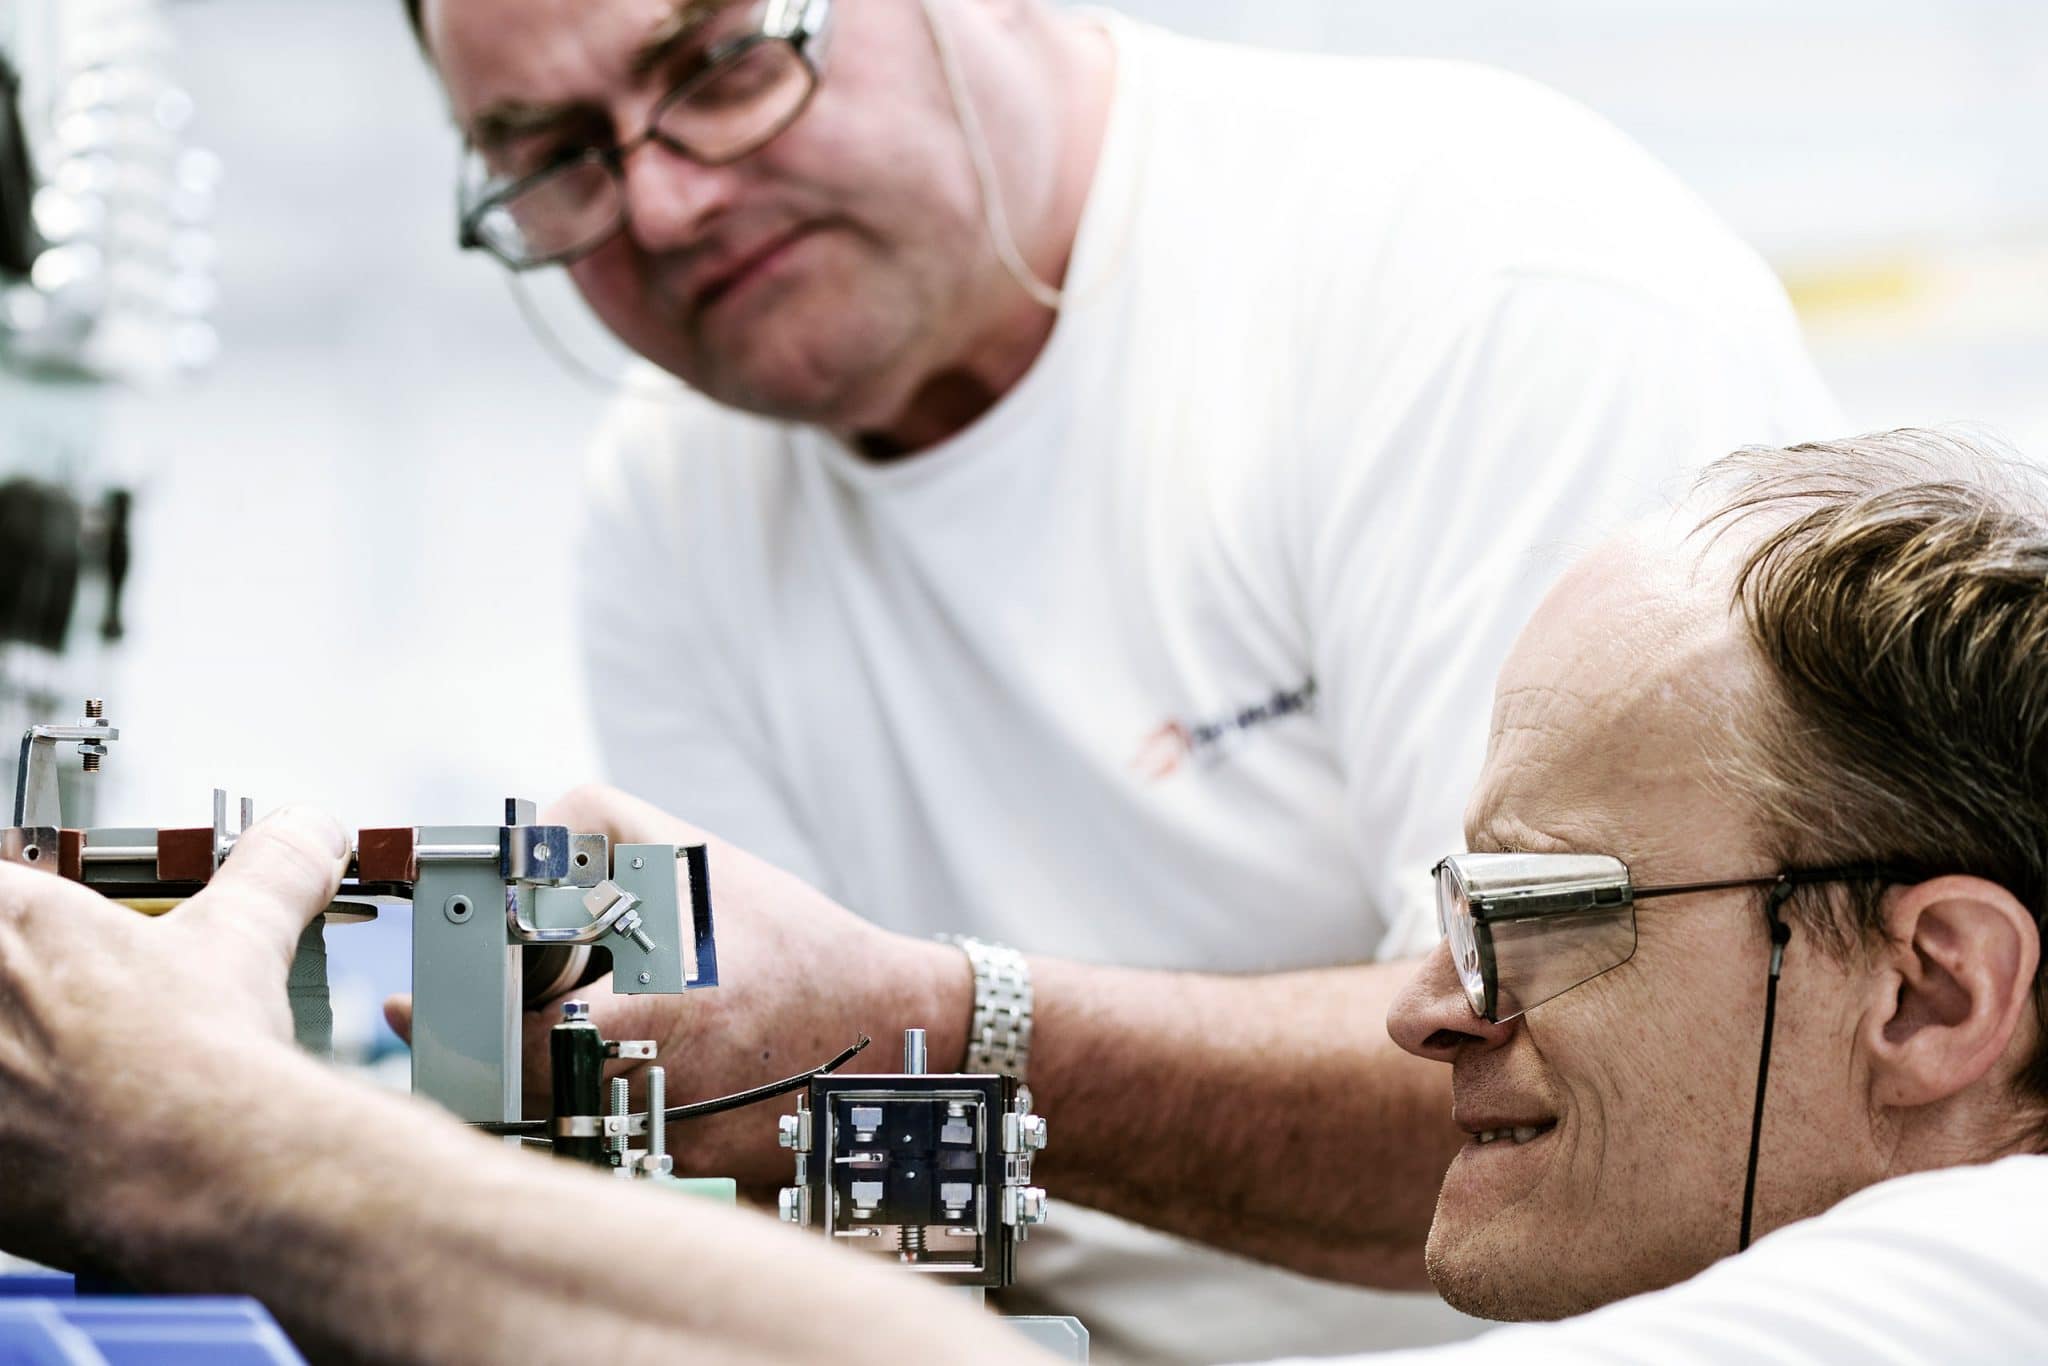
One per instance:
(494, 52)
(1627, 685)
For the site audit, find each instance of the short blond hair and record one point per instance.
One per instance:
(1896, 587)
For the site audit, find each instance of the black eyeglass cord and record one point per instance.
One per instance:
(1781, 935)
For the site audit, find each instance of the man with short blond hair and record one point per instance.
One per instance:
(1753, 923)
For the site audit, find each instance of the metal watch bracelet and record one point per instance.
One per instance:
(999, 1030)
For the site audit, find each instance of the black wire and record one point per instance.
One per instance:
(1781, 935)
(718, 1105)
(741, 1099)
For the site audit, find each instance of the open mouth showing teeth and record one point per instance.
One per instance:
(1520, 1133)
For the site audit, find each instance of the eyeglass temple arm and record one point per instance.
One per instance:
(1796, 877)
(1684, 888)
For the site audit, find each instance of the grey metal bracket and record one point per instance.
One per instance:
(485, 893)
(36, 801)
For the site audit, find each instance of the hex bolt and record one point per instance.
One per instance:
(629, 925)
(657, 1112)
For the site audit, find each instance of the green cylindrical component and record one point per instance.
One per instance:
(576, 1053)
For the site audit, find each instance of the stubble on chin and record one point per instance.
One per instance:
(1504, 1275)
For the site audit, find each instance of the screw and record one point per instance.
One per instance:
(621, 1101)
(645, 978)
(629, 925)
(639, 863)
(95, 709)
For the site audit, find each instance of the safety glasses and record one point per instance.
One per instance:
(1526, 928)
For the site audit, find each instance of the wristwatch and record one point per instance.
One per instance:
(999, 1030)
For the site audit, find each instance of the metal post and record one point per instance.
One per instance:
(913, 1052)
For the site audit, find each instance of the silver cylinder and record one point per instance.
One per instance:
(657, 1106)
(621, 1103)
(913, 1052)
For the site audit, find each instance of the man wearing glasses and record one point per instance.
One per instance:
(1747, 947)
(1107, 472)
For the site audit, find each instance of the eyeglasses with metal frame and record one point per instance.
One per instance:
(1526, 928)
(744, 90)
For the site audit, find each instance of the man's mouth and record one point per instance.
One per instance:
(741, 270)
(1514, 1133)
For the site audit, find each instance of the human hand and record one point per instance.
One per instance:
(101, 1008)
(800, 978)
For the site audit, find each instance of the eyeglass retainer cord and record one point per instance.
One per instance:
(994, 211)
(1781, 935)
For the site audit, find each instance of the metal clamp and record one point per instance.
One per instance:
(620, 903)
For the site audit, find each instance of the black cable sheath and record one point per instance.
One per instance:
(718, 1105)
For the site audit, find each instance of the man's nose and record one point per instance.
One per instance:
(1432, 1019)
(671, 200)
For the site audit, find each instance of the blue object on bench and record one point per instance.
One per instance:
(45, 1322)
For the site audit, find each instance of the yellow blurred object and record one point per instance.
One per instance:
(161, 905)
(1869, 286)
(1917, 296)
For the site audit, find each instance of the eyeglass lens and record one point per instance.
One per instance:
(1454, 918)
(738, 105)
(1538, 959)
(1585, 926)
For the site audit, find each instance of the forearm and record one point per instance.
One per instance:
(377, 1230)
(1269, 1115)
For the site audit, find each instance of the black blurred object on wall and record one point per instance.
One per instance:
(49, 543)
(18, 241)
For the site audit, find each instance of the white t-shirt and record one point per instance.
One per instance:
(1946, 1266)
(1182, 656)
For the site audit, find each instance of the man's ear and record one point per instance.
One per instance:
(1956, 972)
